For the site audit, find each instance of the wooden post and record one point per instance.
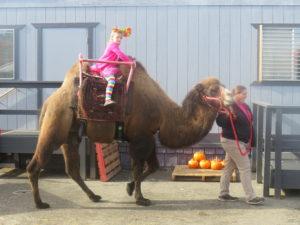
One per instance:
(93, 167)
(82, 154)
(259, 147)
(267, 148)
(277, 149)
(253, 153)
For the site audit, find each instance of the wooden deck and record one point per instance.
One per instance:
(24, 141)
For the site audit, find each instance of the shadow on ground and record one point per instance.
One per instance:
(16, 197)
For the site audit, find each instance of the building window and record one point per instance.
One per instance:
(279, 53)
(7, 68)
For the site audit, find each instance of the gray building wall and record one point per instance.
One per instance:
(179, 42)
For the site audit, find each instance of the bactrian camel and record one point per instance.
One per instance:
(152, 111)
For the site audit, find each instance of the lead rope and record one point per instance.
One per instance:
(248, 148)
(223, 109)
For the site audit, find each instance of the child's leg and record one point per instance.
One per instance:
(110, 86)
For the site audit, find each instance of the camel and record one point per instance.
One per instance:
(152, 111)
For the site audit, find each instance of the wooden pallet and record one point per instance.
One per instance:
(182, 172)
(108, 157)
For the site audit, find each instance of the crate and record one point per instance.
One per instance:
(108, 158)
(183, 173)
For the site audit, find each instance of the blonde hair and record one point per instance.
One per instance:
(125, 32)
(238, 89)
(113, 33)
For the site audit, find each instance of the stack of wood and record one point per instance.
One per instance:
(108, 158)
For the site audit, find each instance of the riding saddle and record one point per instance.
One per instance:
(91, 98)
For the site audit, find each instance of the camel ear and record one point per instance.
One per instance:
(197, 93)
(200, 89)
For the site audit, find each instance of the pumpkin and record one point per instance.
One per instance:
(223, 163)
(216, 164)
(204, 164)
(193, 164)
(198, 156)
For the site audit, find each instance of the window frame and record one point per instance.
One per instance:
(16, 49)
(41, 26)
(260, 80)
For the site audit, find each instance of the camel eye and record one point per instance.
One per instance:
(214, 91)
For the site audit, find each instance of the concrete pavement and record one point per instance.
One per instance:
(173, 203)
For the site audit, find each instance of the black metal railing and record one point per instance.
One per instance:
(27, 84)
(267, 142)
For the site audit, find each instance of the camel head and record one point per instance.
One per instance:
(215, 93)
(209, 92)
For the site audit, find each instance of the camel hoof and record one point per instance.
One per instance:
(143, 202)
(95, 198)
(42, 205)
(130, 188)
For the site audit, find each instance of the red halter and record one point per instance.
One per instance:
(223, 109)
(208, 99)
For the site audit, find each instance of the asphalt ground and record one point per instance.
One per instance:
(173, 202)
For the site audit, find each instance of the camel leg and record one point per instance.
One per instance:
(72, 165)
(137, 175)
(38, 162)
(152, 166)
(141, 149)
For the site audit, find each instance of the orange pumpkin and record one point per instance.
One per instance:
(204, 164)
(198, 156)
(223, 163)
(216, 164)
(193, 164)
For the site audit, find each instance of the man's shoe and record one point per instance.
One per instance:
(227, 198)
(256, 201)
(109, 102)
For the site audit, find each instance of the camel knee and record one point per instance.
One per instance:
(33, 167)
(153, 163)
(137, 169)
(73, 172)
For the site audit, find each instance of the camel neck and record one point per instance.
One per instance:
(178, 130)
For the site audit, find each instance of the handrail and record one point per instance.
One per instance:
(7, 92)
(26, 84)
(19, 111)
(30, 84)
(81, 60)
(272, 106)
(261, 103)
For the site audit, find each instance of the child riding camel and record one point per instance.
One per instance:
(112, 53)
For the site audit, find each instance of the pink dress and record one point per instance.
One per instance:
(111, 53)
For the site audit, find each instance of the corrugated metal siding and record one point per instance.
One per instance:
(178, 45)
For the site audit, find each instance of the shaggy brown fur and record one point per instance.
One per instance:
(152, 111)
